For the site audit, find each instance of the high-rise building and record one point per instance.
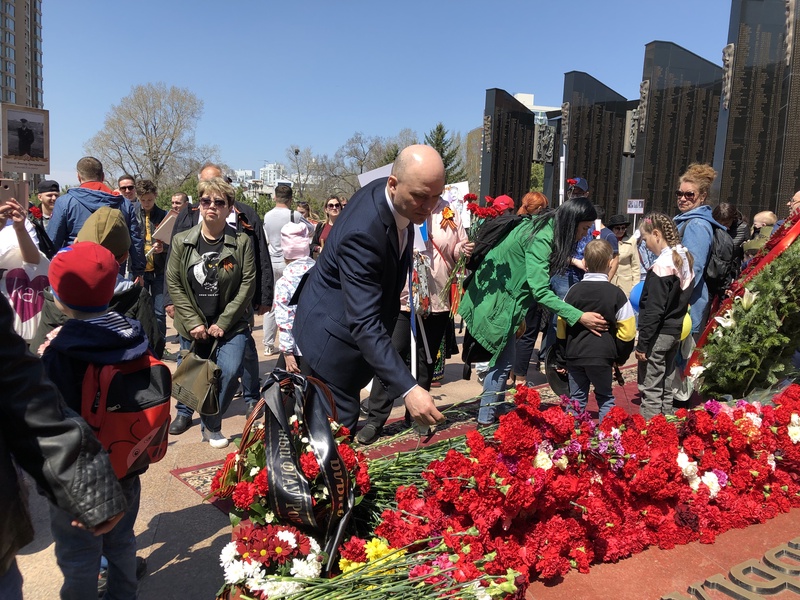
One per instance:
(21, 52)
(271, 173)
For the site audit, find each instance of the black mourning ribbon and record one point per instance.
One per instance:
(290, 495)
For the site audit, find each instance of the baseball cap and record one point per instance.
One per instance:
(83, 276)
(501, 203)
(48, 185)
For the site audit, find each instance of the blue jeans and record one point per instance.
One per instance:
(154, 283)
(182, 408)
(494, 384)
(11, 583)
(78, 551)
(251, 385)
(601, 377)
(229, 357)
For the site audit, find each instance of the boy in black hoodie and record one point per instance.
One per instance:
(82, 277)
(590, 357)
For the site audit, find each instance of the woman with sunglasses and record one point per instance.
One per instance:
(696, 226)
(211, 278)
(333, 208)
(627, 274)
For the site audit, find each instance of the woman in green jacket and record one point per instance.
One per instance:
(211, 279)
(514, 275)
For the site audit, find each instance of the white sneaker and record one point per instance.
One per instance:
(215, 439)
(269, 350)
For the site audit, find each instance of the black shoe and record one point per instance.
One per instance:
(171, 356)
(141, 567)
(180, 424)
(369, 434)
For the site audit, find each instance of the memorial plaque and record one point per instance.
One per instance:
(678, 125)
(508, 146)
(597, 136)
(757, 151)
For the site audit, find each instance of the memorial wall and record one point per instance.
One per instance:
(758, 138)
(674, 123)
(508, 144)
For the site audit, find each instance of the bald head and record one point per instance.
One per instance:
(417, 156)
(210, 171)
(417, 182)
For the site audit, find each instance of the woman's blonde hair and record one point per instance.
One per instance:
(216, 185)
(665, 225)
(701, 175)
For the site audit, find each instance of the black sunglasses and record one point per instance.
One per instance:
(615, 227)
(688, 195)
(206, 202)
(127, 188)
(334, 206)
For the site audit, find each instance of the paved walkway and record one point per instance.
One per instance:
(181, 536)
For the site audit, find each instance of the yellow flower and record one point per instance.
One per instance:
(345, 564)
(376, 548)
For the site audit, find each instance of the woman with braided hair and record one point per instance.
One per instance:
(662, 308)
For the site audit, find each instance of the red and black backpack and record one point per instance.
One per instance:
(127, 406)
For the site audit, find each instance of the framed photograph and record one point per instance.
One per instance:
(25, 139)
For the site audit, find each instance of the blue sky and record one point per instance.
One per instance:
(311, 73)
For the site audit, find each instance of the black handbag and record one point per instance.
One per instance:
(195, 382)
(472, 352)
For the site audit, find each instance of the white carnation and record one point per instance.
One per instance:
(307, 568)
(562, 463)
(277, 588)
(254, 471)
(712, 483)
(543, 461)
(478, 591)
(234, 571)
(688, 467)
(754, 418)
(794, 428)
(288, 537)
(228, 553)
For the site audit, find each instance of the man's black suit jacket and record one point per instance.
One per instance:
(351, 298)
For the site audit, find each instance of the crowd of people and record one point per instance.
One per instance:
(364, 297)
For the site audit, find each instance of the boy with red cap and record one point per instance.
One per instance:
(83, 277)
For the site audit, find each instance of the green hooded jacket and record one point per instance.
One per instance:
(515, 273)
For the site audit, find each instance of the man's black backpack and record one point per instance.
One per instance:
(721, 265)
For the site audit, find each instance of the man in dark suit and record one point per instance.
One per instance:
(351, 298)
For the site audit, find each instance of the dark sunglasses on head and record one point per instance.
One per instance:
(334, 206)
(206, 202)
(688, 195)
(127, 188)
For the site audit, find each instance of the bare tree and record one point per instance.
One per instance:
(305, 169)
(151, 134)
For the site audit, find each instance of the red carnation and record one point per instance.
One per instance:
(310, 466)
(353, 550)
(244, 494)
